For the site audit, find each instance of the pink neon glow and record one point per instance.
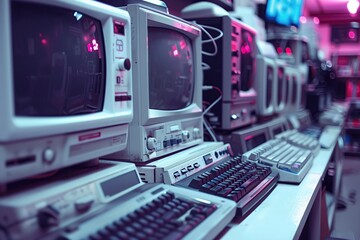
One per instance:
(316, 20)
(249, 38)
(44, 41)
(182, 44)
(288, 51)
(95, 45)
(89, 47)
(303, 19)
(351, 34)
(353, 6)
(175, 51)
(279, 50)
(245, 49)
(233, 47)
(349, 89)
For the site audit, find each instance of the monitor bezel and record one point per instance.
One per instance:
(262, 63)
(238, 138)
(142, 18)
(24, 127)
(280, 106)
(295, 80)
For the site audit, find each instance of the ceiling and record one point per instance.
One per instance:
(331, 11)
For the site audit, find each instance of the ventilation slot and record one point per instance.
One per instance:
(20, 161)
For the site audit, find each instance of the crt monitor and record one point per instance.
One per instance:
(277, 126)
(66, 88)
(231, 69)
(284, 12)
(166, 53)
(242, 141)
(266, 78)
(280, 94)
(293, 88)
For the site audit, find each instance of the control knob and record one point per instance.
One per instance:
(125, 64)
(84, 203)
(151, 143)
(196, 133)
(48, 155)
(185, 135)
(48, 216)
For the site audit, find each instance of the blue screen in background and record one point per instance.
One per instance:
(284, 12)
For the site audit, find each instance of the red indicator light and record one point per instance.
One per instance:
(288, 51)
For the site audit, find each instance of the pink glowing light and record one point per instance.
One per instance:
(351, 34)
(353, 6)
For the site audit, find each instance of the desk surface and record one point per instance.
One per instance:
(282, 215)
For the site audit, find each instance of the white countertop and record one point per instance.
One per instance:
(282, 215)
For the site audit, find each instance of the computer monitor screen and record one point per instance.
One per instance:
(59, 64)
(294, 94)
(66, 85)
(253, 141)
(280, 87)
(284, 12)
(170, 87)
(277, 130)
(269, 90)
(247, 50)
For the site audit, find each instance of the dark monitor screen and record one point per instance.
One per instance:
(270, 80)
(294, 95)
(171, 69)
(247, 60)
(281, 79)
(58, 61)
(284, 12)
(287, 89)
(253, 141)
(119, 183)
(277, 130)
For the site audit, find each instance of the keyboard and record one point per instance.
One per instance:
(300, 140)
(156, 211)
(290, 161)
(244, 182)
(329, 136)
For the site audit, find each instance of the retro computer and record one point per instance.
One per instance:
(266, 78)
(167, 85)
(231, 68)
(294, 49)
(66, 86)
(280, 94)
(294, 88)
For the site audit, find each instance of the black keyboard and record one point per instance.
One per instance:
(244, 182)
